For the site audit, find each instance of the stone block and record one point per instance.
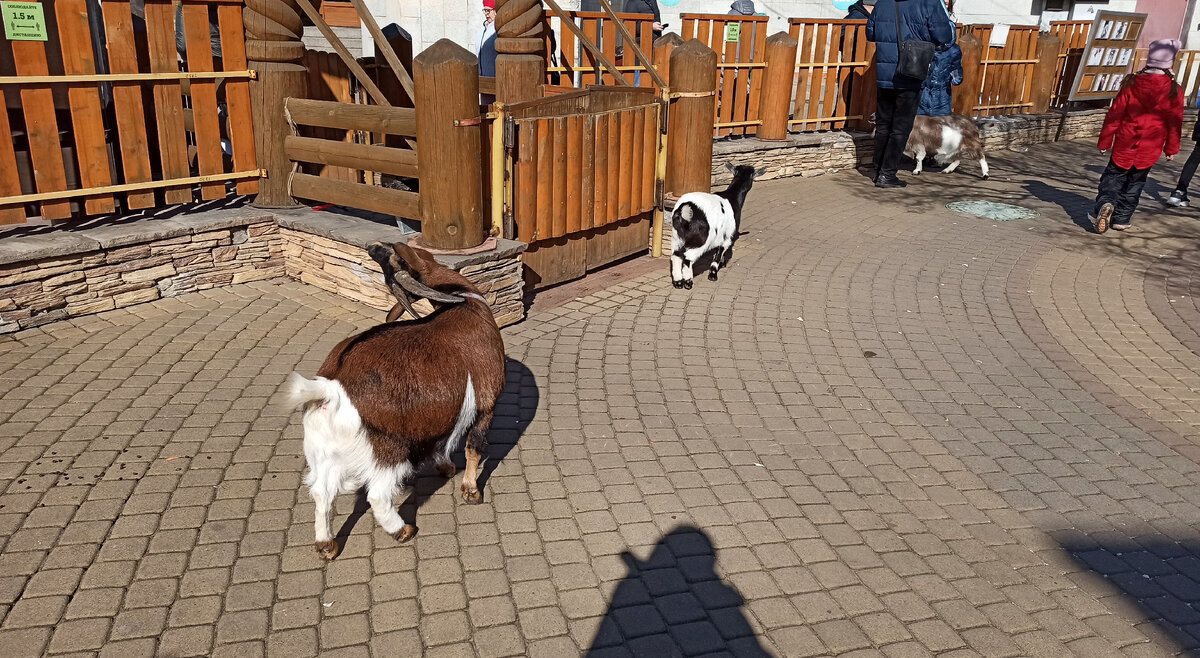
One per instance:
(135, 297)
(150, 274)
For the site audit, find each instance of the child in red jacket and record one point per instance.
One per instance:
(1143, 123)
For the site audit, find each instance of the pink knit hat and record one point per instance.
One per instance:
(1162, 53)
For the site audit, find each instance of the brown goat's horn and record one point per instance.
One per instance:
(402, 296)
(419, 289)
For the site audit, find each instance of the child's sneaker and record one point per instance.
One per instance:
(1103, 217)
(1179, 199)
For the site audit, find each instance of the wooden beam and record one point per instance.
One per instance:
(357, 195)
(587, 43)
(382, 44)
(342, 52)
(637, 50)
(385, 160)
(127, 187)
(347, 116)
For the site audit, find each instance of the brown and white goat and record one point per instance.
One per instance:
(946, 138)
(400, 394)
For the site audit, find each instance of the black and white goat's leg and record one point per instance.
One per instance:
(681, 271)
(476, 453)
(983, 166)
(718, 260)
(919, 155)
(727, 255)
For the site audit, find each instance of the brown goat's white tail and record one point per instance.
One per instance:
(300, 390)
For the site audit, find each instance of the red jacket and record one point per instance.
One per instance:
(1144, 122)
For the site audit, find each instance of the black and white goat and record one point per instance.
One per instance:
(708, 224)
(402, 393)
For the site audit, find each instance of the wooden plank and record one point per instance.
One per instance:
(617, 241)
(649, 145)
(382, 159)
(609, 48)
(804, 56)
(612, 211)
(600, 158)
(832, 75)
(857, 104)
(41, 128)
(702, 31)
(239, 123)
(573, 182)
(591, 29)
(726, 78)
(754, 103)
(87, 123)
(10, 178)
(526, 177)
(345, 116)
(689, 28)
(566, 56)
(741, 77)
(638, 119)
(355, 195)
(587, 157)
(209, 159)
(625, 158)
(168, 104)
(820, 77)
(127, 102)
(558, 206)
(646, 43)
(545, 180)
(554, 261)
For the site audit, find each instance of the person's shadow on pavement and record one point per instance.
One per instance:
(674, 604)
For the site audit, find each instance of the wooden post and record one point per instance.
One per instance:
(966, 95)
(520, 48)
(1044, 72)
(690, 122)
(449, 165)
(275, 51)
(663, 47)
(777, 89)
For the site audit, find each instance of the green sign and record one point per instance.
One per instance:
(733, 32)
(24, 21)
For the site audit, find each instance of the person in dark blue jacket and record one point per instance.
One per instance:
(860, 11)
(899, 95)
(946, 72)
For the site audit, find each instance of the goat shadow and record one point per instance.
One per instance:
(514, 411)
(674, 604)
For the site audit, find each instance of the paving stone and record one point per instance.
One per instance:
(897, 430)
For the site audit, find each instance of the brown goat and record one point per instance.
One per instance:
(400, 394)
(946, 138)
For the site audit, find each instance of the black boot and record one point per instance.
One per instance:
(888, 179)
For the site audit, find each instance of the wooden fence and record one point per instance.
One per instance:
(835, 81)
(128, 120)
(573, 65)
(741, 45)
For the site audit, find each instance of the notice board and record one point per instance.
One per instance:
(1111, 49)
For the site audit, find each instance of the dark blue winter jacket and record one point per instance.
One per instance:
(857, 12)
(924, 20)
(937, 94)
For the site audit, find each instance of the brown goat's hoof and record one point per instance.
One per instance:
(404, 534)
(471, 496)
(327, 550)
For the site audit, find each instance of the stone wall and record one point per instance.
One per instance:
(34, 292)
(337, 267)
(52, 274)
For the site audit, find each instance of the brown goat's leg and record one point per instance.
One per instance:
(444, 466)
(475, 450)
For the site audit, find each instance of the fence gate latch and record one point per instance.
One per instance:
(473, 121)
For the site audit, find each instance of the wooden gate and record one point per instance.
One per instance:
(587, 178)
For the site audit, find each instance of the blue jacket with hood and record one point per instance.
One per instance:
(924, 20)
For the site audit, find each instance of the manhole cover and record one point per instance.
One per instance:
(1001, 212)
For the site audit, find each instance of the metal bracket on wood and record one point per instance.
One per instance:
(473, 121)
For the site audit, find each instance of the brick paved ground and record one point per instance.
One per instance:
(889, 429)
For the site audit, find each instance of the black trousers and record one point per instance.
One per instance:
(894, 116)
(1122, 188)
(1189, 169)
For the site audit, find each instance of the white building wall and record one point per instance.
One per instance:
(461, 20)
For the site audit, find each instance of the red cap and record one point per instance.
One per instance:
(489, 4)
